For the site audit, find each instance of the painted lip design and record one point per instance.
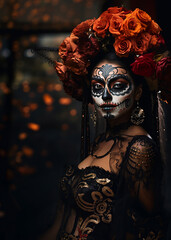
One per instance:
(108, 106)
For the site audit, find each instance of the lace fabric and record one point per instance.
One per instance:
(100, 204)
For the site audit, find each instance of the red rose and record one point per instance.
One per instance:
(160, 40)
(163, 71)
(144, 65)
(163, 67)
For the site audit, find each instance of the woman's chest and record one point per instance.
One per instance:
(93, 191)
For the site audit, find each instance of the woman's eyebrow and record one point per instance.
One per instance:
(117, 76)
(97, 78)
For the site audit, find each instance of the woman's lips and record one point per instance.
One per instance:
(108, 107)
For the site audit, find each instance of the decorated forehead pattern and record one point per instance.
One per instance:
(108, 71)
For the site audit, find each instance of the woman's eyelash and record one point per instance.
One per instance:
(118, 85)
(97, 86)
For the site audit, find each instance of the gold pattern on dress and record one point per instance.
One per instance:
(85, 229)
(140, 159)
(96, 195)
(69, 171)
(107, 191)
(108, 219)
(103, 181)
(89, 176)
(86, 206)
(82, 185)
(98, 202)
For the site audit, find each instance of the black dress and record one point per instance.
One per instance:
(101, 205)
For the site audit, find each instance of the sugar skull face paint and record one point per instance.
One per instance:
(112, 89)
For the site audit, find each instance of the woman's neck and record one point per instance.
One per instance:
(117, 126)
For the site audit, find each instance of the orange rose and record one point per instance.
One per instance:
(101, 25)
(115, 25)
(83, 27)
(141, 43)
(61, 70)
(144, 18)
(154, 40)
(122, 47)
(131, 26)
(115, 10)
(76, 64)
(154, 28)
(69, 45)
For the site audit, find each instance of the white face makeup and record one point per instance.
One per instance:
(112, 89)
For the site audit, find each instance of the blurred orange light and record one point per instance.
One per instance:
(27, 151)
(48, 100)
(46, 18)
(26, 170)
(49, 164)
(33, 106)
(64, 127)
(58, 87)
(22, 136)
(9, 174)
(73, 112)
(10, 25)
(65, 101)
(33, 126)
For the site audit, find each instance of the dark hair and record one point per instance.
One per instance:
(147, 101)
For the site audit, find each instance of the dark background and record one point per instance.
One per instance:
(39, 123)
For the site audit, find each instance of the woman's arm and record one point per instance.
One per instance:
(143, 179)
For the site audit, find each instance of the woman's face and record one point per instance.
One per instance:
(112, 89)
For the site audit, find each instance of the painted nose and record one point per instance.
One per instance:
(106, 95)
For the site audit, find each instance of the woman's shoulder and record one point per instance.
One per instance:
(136, 131)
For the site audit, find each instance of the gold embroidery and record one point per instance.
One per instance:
(103, 181)
(94, 202)
(107, 191)
(82, 185)
(86, 206)
(96, 195)
(107, 219)
(85, 229)
(69, 171)
(89, 176)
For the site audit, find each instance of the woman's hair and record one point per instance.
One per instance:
(146, 101)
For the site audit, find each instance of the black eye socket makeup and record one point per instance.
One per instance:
(114, 78)
(97, 87)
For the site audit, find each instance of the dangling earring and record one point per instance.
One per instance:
(138, 115)
(93, 117)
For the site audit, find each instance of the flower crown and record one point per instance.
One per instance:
(132, 33)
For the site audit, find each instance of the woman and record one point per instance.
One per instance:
(115, 192)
